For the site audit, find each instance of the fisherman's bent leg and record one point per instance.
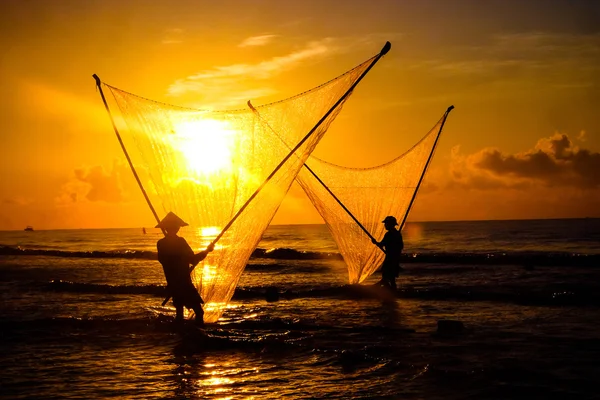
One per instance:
(179, 313)
(389, 277)
(194, 301)
(199, 314)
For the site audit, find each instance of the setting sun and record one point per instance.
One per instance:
(206, 144)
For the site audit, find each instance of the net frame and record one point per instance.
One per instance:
(302, 150)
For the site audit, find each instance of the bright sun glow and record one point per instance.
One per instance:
(209, 231)
(207, 145)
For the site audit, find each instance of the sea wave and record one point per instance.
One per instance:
(525, 259)
(562, 295)
(78, 287)
(266, 334)
(293, 254)
(277, 253)
(19, 251)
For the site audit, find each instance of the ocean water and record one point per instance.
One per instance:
(81, 318)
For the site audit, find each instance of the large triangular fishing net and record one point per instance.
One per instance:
(370, 194)
(205, 165)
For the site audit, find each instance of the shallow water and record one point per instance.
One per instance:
(91, 326)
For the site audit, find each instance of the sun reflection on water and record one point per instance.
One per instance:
(209, 231)
(209, 273)
(220, 379)
(211, 308)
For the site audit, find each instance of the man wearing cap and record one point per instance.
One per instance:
(392, 244)
(176, 256)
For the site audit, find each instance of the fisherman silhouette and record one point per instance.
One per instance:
(392, 244)
(176, 256)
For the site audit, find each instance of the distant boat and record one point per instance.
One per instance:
(29, 228)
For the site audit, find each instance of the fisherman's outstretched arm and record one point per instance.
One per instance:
(376, 243)
(202, 255)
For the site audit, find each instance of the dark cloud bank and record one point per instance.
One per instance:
(553, 162)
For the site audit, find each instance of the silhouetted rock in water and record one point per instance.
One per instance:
(449, 327)
(271, 294)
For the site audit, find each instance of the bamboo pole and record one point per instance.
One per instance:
(137, 178)
(426, 165)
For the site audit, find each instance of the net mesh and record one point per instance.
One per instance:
(204, 165)
(370, 194)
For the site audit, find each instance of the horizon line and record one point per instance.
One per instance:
(323, 223)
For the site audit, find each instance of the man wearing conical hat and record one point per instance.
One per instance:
(176, 256)
(392, 244)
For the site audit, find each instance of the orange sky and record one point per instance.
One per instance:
(523, 141)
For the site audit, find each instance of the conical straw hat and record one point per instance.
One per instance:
(391, 219)
(171, 220)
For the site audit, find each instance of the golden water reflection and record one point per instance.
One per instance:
(215, 380)
(209, 231)
(209, 273)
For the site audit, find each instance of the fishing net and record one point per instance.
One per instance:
(205, 165)
(369, 194)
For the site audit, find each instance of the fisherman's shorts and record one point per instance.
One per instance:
(187, 296)
(390, 270)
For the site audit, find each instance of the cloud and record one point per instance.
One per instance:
(557, 44)
(525, 53)
(553, 162)
(231, 75)
(172, 36)
(57, 102)
(234, 99)
(235, 81)
(257, 40)
(93, 184)
(16, 201)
